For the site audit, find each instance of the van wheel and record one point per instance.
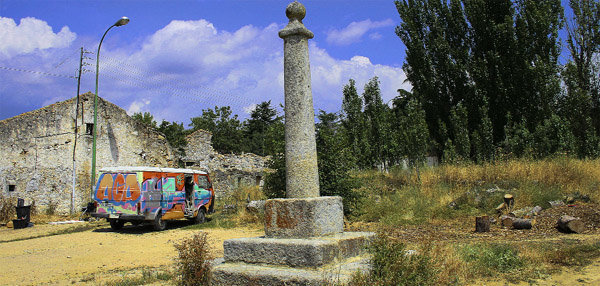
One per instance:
(116, 224)
(159, 224)
(201, 217)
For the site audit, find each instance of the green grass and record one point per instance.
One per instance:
(488, 259)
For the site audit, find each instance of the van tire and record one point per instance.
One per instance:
(116, 224)
(201, 216)
(159, 224)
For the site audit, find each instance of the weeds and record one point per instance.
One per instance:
(392, 264)
(451, 191)
(148, 276)
(51, 208)
(574, 254)
(7, 209)
(488, 259)
(193, 261)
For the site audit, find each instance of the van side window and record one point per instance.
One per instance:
(169, 185)
(203, 182)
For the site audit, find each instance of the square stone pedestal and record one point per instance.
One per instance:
(304, 245)
(306, 217)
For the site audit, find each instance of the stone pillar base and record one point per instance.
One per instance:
(303, 218)
(327, 260)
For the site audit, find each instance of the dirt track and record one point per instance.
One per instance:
(99, 255)
(96, 255)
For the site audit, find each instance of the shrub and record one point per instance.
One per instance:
(7, 209)
(490, 258)
(392, 264)
(192, 265)
(51, 208)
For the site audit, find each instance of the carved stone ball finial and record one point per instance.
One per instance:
(295, 11)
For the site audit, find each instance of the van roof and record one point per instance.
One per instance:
(149, 169)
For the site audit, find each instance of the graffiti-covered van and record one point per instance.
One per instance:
(151, 194)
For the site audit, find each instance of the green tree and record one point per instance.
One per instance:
(145, 118)
(226, 129)
(581, 75)
(554, 136)
(377, 124)
(518, 141)
(335, 161)
(482, 138)
(175, 134)
(353, 121)
(257, 128)
(460, 131)
(467, 52)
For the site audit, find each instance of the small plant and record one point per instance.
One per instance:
(148, 276)
(7, 209)
(51, 208)
(392, 264)
(193, 261)
(490, 258)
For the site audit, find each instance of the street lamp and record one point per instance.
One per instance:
(120, 22)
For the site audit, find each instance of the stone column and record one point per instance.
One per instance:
(302, 174)
(304, 242)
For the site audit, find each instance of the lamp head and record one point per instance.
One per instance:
(122, 21)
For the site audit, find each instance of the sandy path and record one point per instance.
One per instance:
(67, 258)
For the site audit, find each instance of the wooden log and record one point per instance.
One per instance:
(482, 224)
(506, 220)
(568, 223)
(521, 223)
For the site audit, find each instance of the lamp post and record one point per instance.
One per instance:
(120, 22)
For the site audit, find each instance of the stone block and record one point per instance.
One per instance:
(240, 274)
(306, 217)
(294, 252)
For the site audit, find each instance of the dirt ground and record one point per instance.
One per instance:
(93, 254)
(96, 255)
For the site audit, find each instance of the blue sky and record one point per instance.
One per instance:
(176, 58)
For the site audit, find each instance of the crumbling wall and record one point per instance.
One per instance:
(37, 150)
(227, 171)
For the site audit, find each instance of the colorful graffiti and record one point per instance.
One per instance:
(120, 193)
(118, 188)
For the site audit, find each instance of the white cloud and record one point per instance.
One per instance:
(31, 34)
(188, 66)
(137, 106)
(355, 31)
(250, 108)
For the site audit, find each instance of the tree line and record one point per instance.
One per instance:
(488, 77)
(262, 133)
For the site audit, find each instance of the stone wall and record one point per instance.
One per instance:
(37, 150)
(228, 171)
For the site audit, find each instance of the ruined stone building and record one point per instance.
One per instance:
(228, 171)
(38, 148)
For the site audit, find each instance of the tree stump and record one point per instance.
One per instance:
(521, 223)
(568, 223)
(509, 202)
(506, 220)
(482, 224)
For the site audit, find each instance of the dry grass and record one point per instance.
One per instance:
(473, 189)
